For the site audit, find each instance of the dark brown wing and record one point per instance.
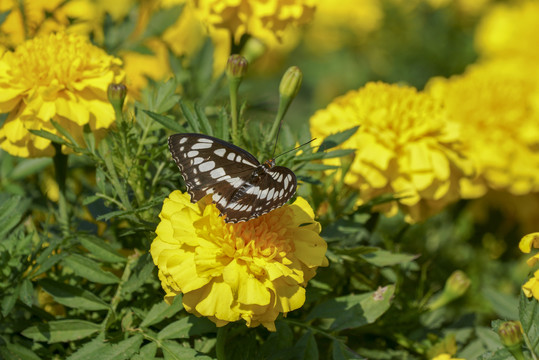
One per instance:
(209, 165)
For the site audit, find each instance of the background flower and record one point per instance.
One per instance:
(56, 77)
(227, 272)
(405, 145)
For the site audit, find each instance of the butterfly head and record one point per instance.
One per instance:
(269, 163)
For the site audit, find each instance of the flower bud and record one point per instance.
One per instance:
(510, 333)
(253, 49)
(236, 67)
(291, 82)
(116, 94)
(455, 286)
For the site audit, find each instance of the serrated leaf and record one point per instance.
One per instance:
(186, 327)
(141, 271)
(161, 311)
(167, 122)
(46, 262)
(146, 352)
(354, 311)
(190, 117)
(336, 139)
(100, 249)
(65, 133)
(529, 318)
(72, 296)
(204, 122)
(9, 300)
(342, 352)
(12, 209)
(383, 258)
(306, 347)
(16, 351)
(174, 351)
(61, 331)
(89, 349)
(123, 350)
(89, 269)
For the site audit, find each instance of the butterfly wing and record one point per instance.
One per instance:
(210, 166)
(269, 191)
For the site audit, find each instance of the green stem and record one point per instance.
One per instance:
(234, 85)
(60, 172)
(221, 341)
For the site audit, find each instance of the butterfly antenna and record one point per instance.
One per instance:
(276, 138)
(297, 147)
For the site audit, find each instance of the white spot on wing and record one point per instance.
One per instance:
(270, 194)
(217, 173)
(231, 156)
(286, 182)
(198, 160)
(263, 194)
(220, 152)
(183, 140)
(248, 163)
(206, 166)
(192, 154)
(200, 146)
(204, 140)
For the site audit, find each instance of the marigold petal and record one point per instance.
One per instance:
(529, 241)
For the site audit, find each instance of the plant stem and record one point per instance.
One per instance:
(221, 341)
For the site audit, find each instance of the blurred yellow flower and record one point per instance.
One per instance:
(263, 19)
(334, 27)
(496, 105)
(30, 18)
(527, 243)
(464, 7)
(445, 357)
(227, 272)
(56, 77)
(405, 145)
(509, 31)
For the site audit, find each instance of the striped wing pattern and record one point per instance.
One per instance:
(241, 187)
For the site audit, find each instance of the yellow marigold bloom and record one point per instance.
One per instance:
(252, 270)
(56, 77)
(509, 31)
(496, 105)
(445, 357)
(405, 145)
(260, 18)
(531, 287)
(527, 243)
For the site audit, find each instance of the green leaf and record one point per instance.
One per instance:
(161, 20)
(65, 133)
(50, 136)
(206, 127)
(174, 351)
(26, 293)
(46, 262)
(4, 15)
(61, 331)
(27, 167)
(324, 155)
(342, 352)
(354, 311)
(336, 139)
(505, 305)
(318, 167)
(383, 258)
(278, 344)
(141, 271)
(9, 300)
(89, 349)
(100, 249)
(17, 351)
(306, 347)
(529, 318)
(72, 296)
(167, 122)
(12, 209)
(123, 350)
(89, 269)
(146, 352)
(161, 311)
(190, 117)
(186, 327)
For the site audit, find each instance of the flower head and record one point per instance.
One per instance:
(56, 77)
(501, 98)
(405, 145)
(259, 18)
(227, 272)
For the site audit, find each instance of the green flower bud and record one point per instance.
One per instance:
(116, 94)
(455, 286)
(253, 49)
(291, 82)
(236, 67)
(510, 333)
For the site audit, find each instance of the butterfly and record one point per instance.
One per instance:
(241, 187)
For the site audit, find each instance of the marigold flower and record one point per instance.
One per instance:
(259, 18)
(498, 97)
(531, 287)
(527, 243)
(405, 145)
(227, 272)
(56, 77)
(508, 30)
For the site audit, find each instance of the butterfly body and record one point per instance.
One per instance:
(241, 187)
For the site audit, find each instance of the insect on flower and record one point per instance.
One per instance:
(241, 187)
